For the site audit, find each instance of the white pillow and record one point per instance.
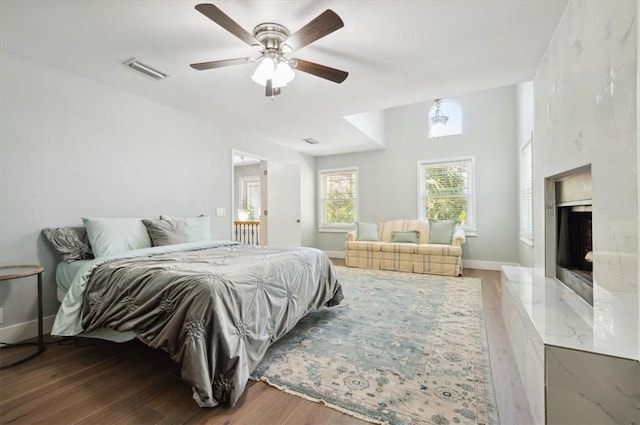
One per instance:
(367, 231)
(197, 228)
(109, 236)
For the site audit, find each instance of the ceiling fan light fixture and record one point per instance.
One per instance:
(284, 74)
(264, 70)
(275, 69)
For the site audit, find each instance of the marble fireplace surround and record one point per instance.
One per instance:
(580, 364)
(572, 369)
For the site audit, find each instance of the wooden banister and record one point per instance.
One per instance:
(247, 232)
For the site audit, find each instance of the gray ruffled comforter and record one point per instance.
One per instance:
(215, 311)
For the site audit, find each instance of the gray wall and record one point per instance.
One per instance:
(388, 177)
(70, 147)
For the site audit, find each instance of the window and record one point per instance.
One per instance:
(338, 198)
(250, 191)
(526, 193)
(453, 111)
(446, 191)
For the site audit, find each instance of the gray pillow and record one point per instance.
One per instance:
(411, 236)
(441, 231)
(71, 243)
(197, 227)
(167, 232)
(367, 232)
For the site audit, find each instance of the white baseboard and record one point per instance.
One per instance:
(485, 265)
(336, 254)
(26, 330)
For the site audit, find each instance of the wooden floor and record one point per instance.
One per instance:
(93, 381)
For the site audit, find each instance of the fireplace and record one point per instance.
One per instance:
(574, 260)
(573, 232)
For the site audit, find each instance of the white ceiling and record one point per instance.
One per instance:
(396, 52)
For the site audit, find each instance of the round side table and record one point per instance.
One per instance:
(17, 272)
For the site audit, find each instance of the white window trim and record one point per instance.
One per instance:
(337, 228)
(525, 237)
(470, 229)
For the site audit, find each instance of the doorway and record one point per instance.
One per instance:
(265, 201)
(248, 201)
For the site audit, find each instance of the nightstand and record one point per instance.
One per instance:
(18, 272)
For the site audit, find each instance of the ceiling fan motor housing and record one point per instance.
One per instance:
(271, 35)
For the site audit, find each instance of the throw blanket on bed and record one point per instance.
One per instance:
(215, 311)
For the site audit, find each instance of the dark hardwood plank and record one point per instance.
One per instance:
(102, 382)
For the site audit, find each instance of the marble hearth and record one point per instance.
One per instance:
(572, 369)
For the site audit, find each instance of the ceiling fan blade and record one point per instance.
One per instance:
(324, 24)
(322, 71)
(202, 66)
(219, 17)
(270, 90)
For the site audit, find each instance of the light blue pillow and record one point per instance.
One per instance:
(109, 236)
(367, 232)
(411, 236)
(196, 228)
(441, 231)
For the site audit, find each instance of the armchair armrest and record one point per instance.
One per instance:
(350, 236)
(459, 238)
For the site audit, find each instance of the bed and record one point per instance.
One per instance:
(213, 306)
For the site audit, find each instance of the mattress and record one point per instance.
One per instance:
(65, 272)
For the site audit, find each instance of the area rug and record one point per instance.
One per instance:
(401, 349)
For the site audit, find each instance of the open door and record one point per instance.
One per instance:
(283, 200)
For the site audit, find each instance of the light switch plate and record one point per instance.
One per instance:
(220, 212)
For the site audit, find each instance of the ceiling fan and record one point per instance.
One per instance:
(273, 41)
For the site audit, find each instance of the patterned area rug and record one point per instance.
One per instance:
(401, 349)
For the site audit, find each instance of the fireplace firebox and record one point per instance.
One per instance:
(574, 251)
(573, 232)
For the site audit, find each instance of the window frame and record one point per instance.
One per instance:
(244, 193)
(525, 193)
(334, 227)
(470, 161)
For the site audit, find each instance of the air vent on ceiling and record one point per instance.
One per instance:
(145, 69)
(311, 141)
